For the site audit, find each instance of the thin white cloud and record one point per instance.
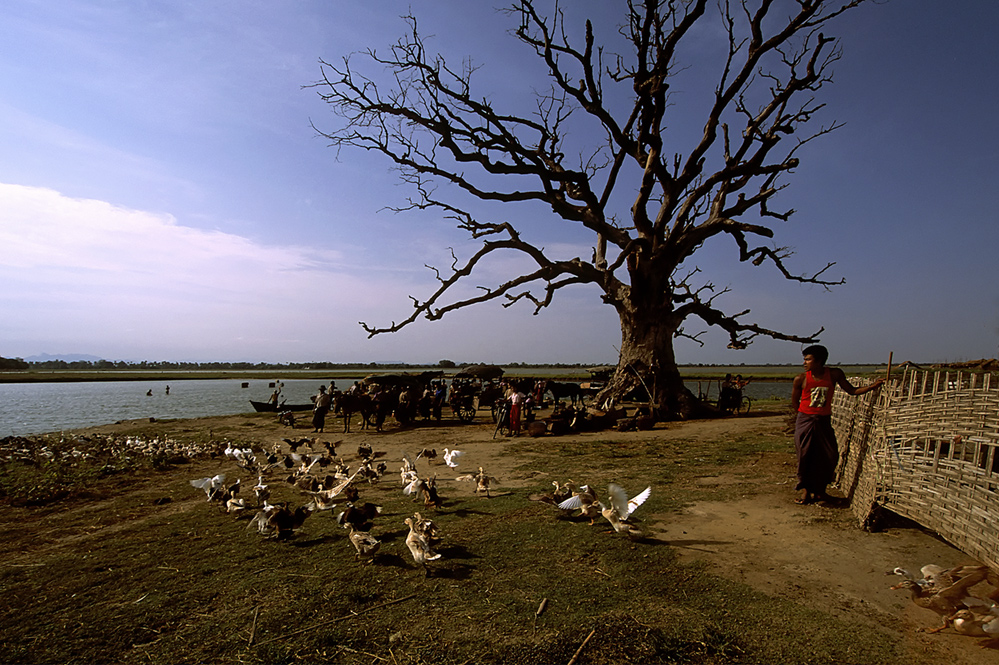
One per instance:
(43, 229)
(88, 261)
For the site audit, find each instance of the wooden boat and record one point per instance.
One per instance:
(268, 406)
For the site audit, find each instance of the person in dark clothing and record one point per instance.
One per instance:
(323, 402)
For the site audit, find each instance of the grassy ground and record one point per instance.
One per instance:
(120, 560)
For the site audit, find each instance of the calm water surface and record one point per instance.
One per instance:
(36, 408)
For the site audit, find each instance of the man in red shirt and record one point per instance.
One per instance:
(814, 439)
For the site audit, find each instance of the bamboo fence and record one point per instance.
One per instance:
(925, 447)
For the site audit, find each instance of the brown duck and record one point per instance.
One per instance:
(946, 600)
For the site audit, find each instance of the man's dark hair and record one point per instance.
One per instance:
(818, 352)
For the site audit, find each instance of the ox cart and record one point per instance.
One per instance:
(462, 400)
(474, 387)
(731, 398)
(733, 401)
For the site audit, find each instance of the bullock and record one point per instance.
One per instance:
(349, 403)
(560, 389)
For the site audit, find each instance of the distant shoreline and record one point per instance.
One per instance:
(689, 373)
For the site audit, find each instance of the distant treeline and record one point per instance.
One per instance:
(16, 364)
(13, 364)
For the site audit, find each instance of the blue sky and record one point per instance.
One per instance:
(163, 195)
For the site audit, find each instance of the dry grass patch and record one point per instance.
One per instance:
(149, 572)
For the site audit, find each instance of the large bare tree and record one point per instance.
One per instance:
(649, 205)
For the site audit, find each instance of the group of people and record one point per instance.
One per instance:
(730, 394)
(406, 402)
(410, 402)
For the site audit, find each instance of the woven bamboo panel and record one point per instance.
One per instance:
(925, 447)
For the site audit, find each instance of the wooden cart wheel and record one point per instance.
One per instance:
(466, 413)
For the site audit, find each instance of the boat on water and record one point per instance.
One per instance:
(270, 406)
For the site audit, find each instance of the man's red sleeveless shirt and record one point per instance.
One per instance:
(816, 395)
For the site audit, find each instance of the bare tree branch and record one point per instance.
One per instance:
(596, 137)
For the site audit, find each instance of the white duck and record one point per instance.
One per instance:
(419, 546)
(407, 472)
(244, 456)
(209, 484)
(451, 457)
(261, 491)
(621, 508)
(585, 500)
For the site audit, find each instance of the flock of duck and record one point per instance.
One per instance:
(329, 483)
(617, 511)
(948, 593)
(99, 448)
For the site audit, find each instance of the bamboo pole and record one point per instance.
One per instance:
(575, 656)
(253, 628)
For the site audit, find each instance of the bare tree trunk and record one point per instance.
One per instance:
(647, 365)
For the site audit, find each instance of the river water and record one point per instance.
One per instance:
(36, 408)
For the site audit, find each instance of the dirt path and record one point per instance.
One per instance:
(815, 555)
